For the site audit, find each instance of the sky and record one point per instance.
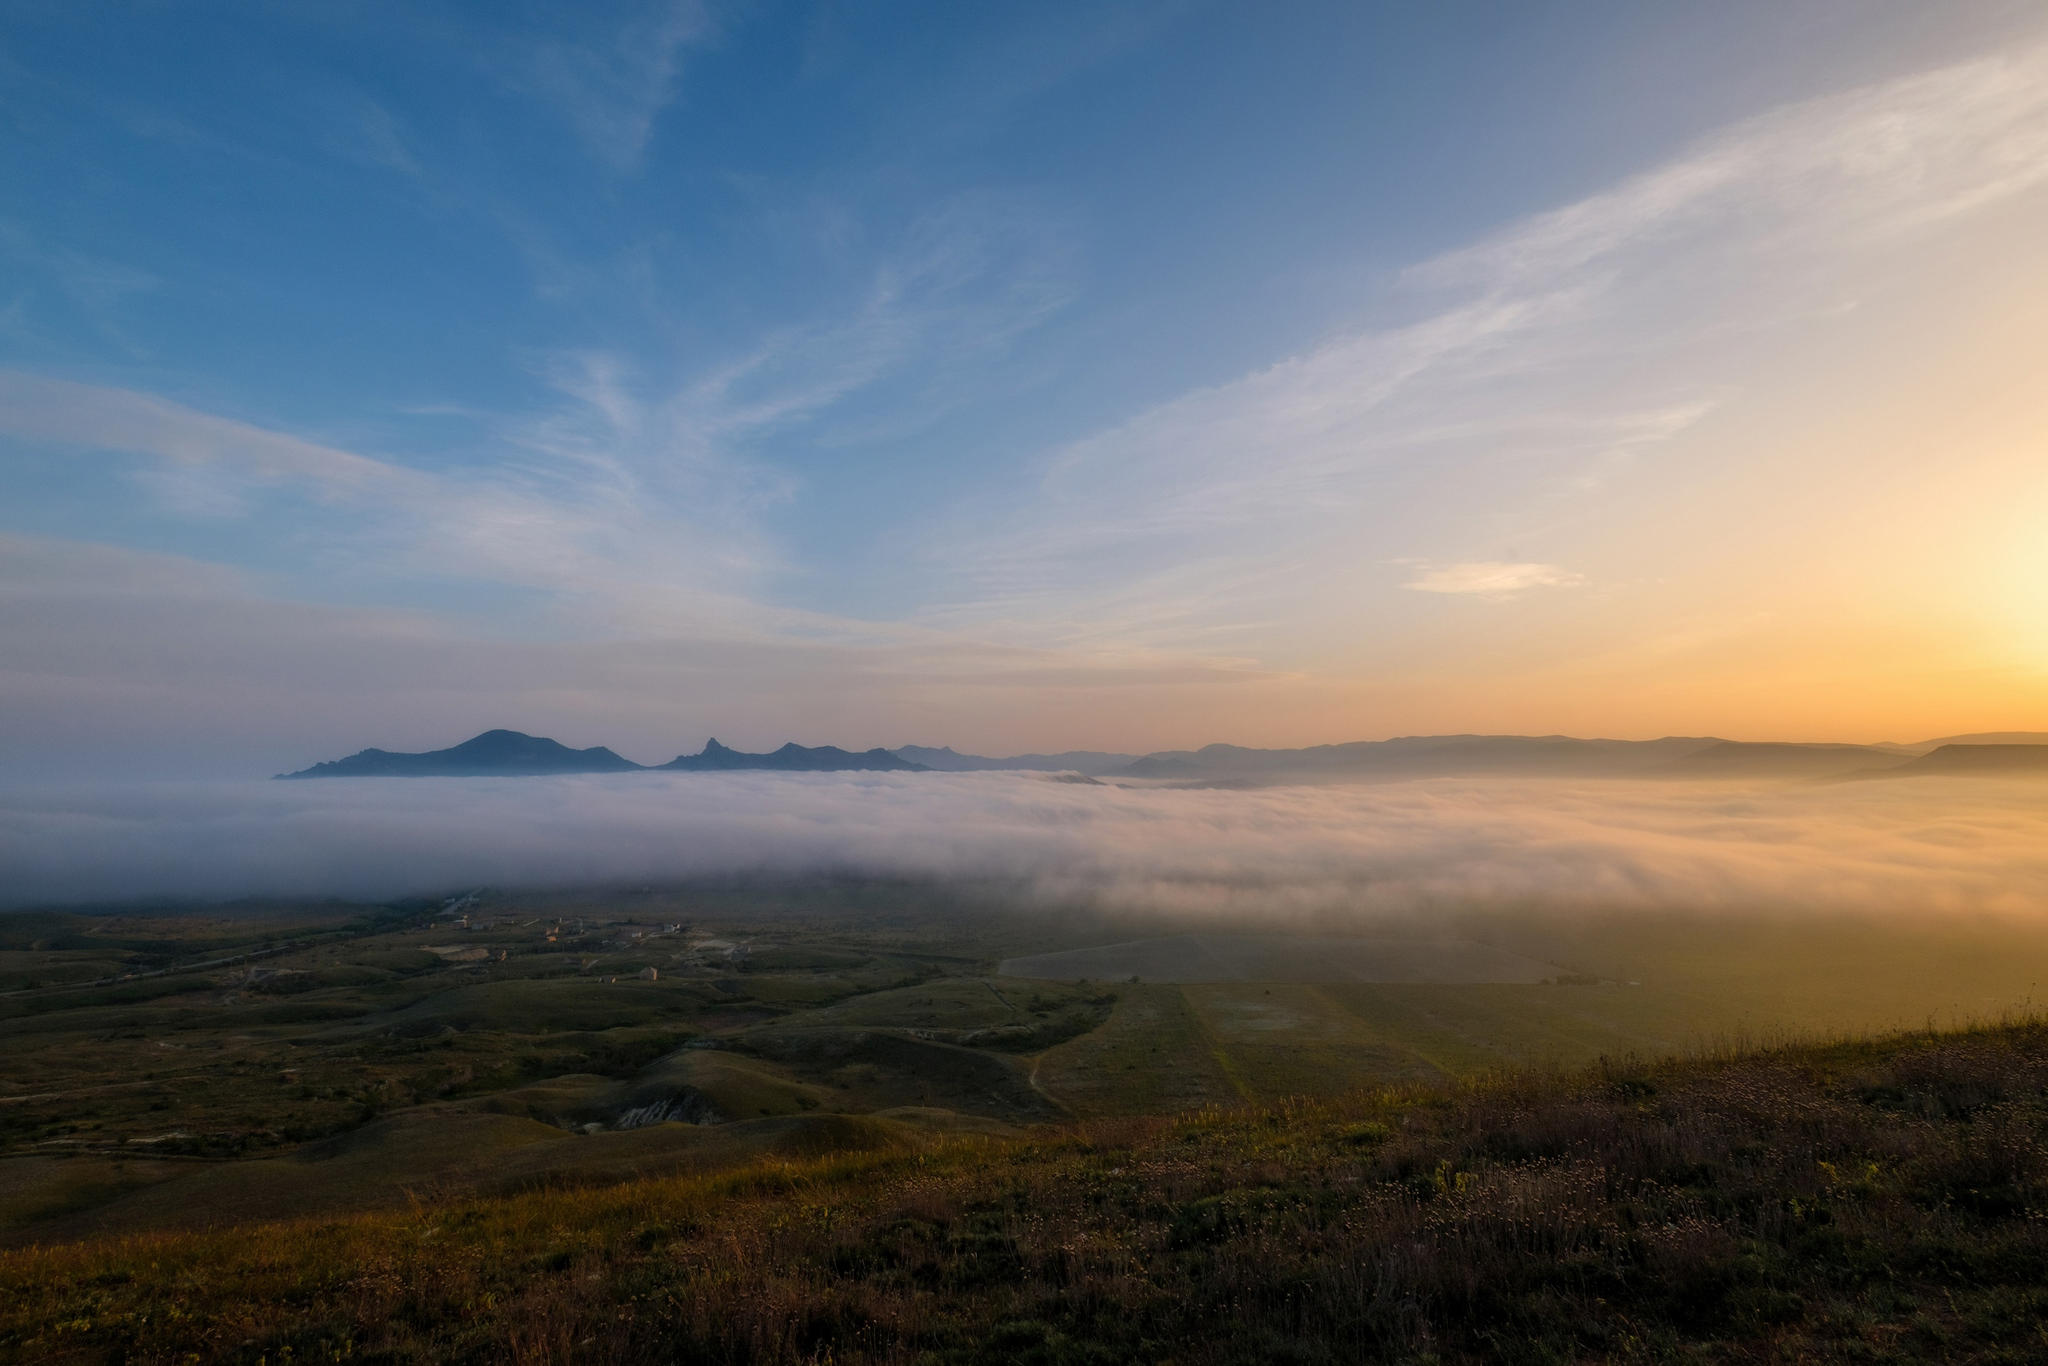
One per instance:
(1121, 376)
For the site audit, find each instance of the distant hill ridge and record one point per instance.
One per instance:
(510, 753)
(1674, 756)
(1737, 759)
(1088, 761)
(1967, 761)
(793, 758)
(504, 753)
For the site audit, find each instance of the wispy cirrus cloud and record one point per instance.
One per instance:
(1566, 354)
(612, 81)
(37, 408)
(1492, 578)
(535, 527)
(360, 129)
(635, 499)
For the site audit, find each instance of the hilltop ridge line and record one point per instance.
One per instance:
(510, 753)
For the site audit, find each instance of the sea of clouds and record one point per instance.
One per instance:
(1928, 845)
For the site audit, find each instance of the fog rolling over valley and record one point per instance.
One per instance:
(1932, 846)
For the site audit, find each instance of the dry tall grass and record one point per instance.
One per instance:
(1881, 1200)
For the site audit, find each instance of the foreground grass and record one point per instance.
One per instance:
(1883, 1200)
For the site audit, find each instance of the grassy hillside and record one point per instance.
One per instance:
(1864, 1201)
(271, 1062)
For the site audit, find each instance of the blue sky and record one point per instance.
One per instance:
(843, 373)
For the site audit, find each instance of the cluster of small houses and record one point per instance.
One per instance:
(705, 950)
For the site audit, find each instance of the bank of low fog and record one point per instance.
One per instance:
(1925, 845)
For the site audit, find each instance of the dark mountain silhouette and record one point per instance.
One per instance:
(1416, 756)
(1563, 756)
(1967, 761)
(509, 753)
(1155, 766)
(945, 760)
(1737, 759)
(793, 758)
(1985, 737)
(495, 753)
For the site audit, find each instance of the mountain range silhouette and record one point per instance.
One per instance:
(509, 753)
(512, 754)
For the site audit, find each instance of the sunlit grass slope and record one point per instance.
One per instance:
(1879, 1200)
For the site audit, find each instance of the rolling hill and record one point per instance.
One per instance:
(509, 753)
(946, 760)
(1968, 761)
(1417, 756)
(1735, 759)
(495, 753)
(792, 758)
(1866, 1201)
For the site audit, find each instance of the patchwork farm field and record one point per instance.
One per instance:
(262, 1062)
